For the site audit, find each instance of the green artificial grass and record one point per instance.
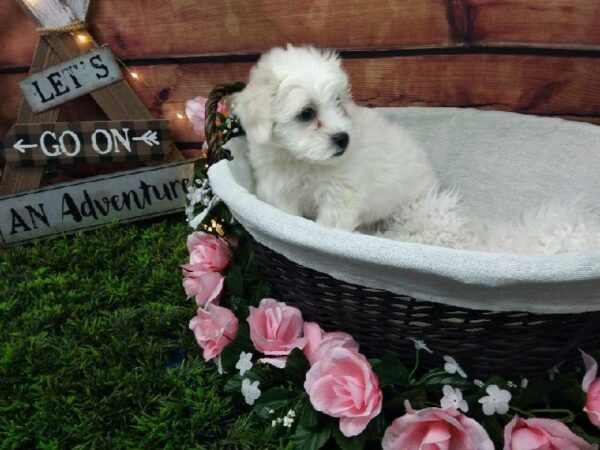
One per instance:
(95, 351)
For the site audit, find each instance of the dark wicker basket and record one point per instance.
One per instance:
(483, 342)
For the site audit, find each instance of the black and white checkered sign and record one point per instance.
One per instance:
(63, 143)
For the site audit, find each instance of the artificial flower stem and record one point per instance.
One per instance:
(521, 412)
(570, 417)
(414, 370)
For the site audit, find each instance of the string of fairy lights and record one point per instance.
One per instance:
(84, 39)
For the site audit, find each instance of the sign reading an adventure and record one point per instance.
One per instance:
(90, 203)
(61, 143)
(71, 79)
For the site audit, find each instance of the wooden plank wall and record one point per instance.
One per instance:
(531, 56)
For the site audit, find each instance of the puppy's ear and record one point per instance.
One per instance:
(253, 107)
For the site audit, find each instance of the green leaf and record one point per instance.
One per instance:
(394, 401)
(275, 399)
(349, 443)
(296, 367)
(494, 428)
(233, 385)
(306, 439)
(391, 370)
(235, 281)
(375, 428)
(307, 416)
(436, 379)
(230, 356)
(231, 353)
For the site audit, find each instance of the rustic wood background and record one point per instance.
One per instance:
(531, 56)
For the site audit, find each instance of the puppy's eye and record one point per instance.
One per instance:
(307, 114)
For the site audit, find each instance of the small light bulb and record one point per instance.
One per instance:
(179, 116)
(83, 38)
(135, 76)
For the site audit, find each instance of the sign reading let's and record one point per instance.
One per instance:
(62, 70)
(72, 79)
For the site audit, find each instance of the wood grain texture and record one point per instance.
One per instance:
(530, 84)
(159, 28)
(547, 23)
(22, 179)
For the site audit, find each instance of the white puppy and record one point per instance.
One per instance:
(317, 154)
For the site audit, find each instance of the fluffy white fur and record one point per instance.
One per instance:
(297, 102)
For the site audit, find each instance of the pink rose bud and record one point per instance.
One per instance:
(205, 286)
(319, 342)
(195, 110)
(210, 251)
(275, 328)
(214, 328)
(435, 428)
(342, 384)
(541, 434)
(591, 385)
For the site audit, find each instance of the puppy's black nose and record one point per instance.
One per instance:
(341, 140)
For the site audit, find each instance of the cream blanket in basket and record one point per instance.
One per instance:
(503, 164)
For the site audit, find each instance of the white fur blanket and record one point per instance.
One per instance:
(503, 164)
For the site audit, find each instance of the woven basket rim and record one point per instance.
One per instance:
(244, 205)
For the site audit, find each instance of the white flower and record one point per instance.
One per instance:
(244, 364)
(553, 372)
(420, 345)
(288, 421)
(291, 413)
(511, 385)
(524, 383)
(274, 423)
(200, 217)
(250, 391)
(453, 399)
(452, 367)
(200, 195)
(189, 212)
(496, 401)
(478, 383)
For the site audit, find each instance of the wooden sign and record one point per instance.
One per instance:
(71, 79)
(63, 69)
(62, 143)
(93, 202)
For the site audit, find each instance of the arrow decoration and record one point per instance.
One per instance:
(28, 145)
(20, 147)
(149, 137)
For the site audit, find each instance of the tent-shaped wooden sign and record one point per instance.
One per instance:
(63, 69)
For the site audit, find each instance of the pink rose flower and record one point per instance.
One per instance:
(591, 385)
(275, 328)
(319, 342)
(214, 328)
(541, 434)
(206, 286)
(210, 251)
(342, 384)
(195, 110)
(435, 429)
